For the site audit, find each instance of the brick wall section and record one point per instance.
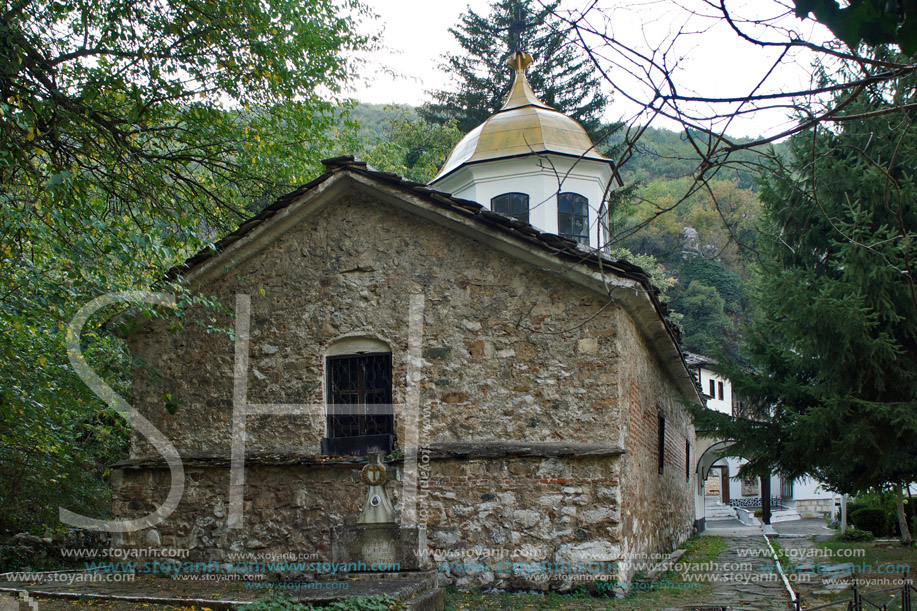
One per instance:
(657, 510)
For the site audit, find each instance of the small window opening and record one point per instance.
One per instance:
(515, 205)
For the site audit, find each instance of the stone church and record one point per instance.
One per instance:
(526, 389)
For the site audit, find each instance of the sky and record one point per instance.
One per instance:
(415, 36)
(709, 58)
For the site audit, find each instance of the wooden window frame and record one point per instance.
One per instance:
(578, 210)
(513, 201)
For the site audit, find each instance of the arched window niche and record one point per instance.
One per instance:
(573, 217)
(515, 205)
(360, 417)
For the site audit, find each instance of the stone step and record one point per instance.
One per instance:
(663, 567)
(418, 590)
(785, 515)
(720, 512)
(722, 518)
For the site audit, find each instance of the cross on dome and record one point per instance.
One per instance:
(516, 28)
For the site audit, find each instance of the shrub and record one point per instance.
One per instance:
(855, 534)
(285, 602)
(874, 519)
(886, 502)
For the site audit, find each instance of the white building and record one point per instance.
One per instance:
(803, 498)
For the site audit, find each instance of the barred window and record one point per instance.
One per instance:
(573, 217)
(687, 460)
(515, 205)
(360, 417)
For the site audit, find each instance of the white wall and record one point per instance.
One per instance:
(541, 177)
(810, 488)
(723, 405)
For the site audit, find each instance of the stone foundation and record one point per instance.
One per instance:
(814, 508)
(510, 521)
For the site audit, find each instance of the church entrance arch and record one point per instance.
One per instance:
(709, 456)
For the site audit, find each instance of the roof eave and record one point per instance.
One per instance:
(465, 164)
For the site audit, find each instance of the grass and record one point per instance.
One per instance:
(669, 591)
(867, 558)
(703, 549)
(874, 553)
(783, 558)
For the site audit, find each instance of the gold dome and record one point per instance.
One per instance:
(523, 126)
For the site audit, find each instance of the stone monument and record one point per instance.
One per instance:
(377, 540)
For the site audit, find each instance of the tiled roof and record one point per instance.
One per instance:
(559, 246)
(698, 360)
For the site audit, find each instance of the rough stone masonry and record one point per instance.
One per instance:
(538, 402)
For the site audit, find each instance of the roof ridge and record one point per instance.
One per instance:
(553, 243)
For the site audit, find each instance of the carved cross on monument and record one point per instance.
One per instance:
(378, 508)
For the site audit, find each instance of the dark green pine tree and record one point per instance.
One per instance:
(834, 353)
(562, 75)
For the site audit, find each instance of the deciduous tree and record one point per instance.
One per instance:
(131, 134)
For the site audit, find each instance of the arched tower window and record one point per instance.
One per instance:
(515, 205)
(573, 217)
(358, 382)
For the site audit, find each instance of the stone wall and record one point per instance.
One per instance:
(552, 518)
(815, 508)
(286, 508)
(510, 352)
(535, 513)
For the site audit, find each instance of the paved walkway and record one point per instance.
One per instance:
(803, 528)
(744, 576)
(818, 578)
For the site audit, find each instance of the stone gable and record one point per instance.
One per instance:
(510, 351)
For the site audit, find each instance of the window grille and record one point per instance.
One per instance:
(359, 406)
